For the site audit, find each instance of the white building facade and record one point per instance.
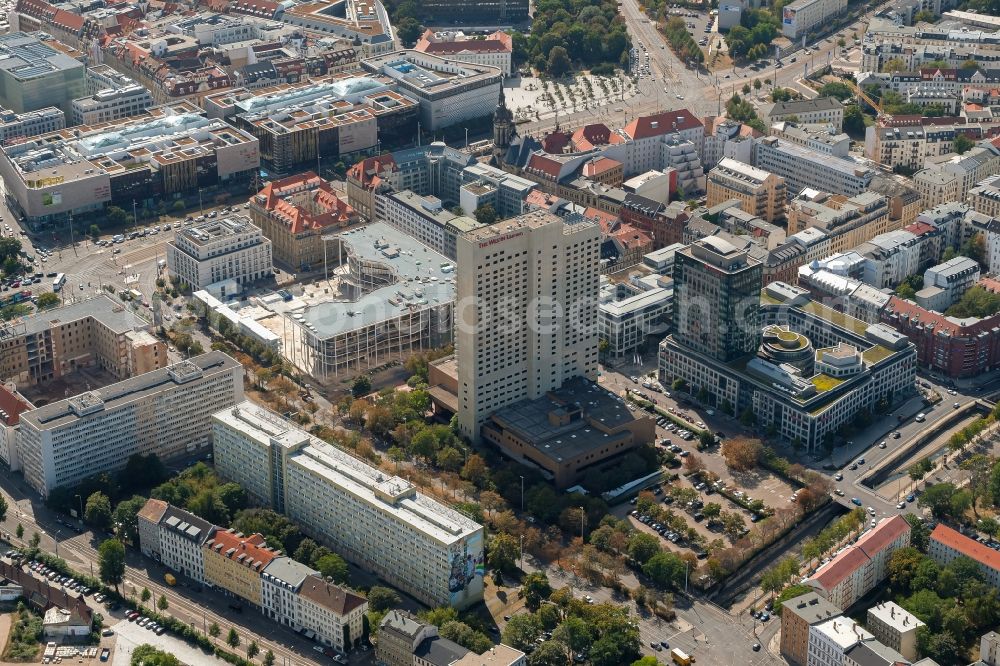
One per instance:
(382, 523)
(230, 248)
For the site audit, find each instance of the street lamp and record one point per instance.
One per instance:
(55, 539)
(80, 498)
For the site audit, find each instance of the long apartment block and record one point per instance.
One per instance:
(379, 522)
(166, 412)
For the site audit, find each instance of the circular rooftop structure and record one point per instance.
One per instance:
(782, 345)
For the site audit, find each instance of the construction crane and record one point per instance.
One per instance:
(862, 95)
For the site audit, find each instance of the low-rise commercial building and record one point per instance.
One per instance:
(299, 124)
(448, 91)
(165, 412)
(946, 544)
(364, 21)
(895, 627)
(36, 72)
(295, 213)
(381, 523)
(571, 433)
(873, 364)
(630, 313)
(229, 248)
(860, 567)
(797, 616)
(760, 193)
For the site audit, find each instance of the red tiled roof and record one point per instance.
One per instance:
(870, 544)
(600, 165)
(539, 198)
(942, 324)
(588, 136)
(990, 284)
(498, 42)
(920, 228)
(840, 567)
(966, 546)
(68, 20)
(887, 531)
(325, 208)
(555, 142)
(367, 171)
(251, 551)
(541, 164)
(662, 123)
(11, 406)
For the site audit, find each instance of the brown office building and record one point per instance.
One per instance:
(797, 615)
(569, 431)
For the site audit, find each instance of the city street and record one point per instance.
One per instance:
(199, 609)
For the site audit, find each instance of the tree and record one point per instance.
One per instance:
(162, 603)
(746, 88)
(214, 630)
(534, 589)
(938, 498)
(36, 538)
(252, 650)
(98, 511)
(233, 638)
(894, 65)
(902, 565)
(147, 655)
(47, 300)
(643, 546)
(854, 120)
(19, 531)
(559, 63)
(665, 569)
(145, 595)
(126, 516)
(575, 634)
(475, 470)
(646, 661)
(940, 647)
(95, 232)
(362, 386)
(111, 562)
(548, 653)
(268, 659)
(332, 566)
(409, 30)
(742, 454)
(962, 143)
(521, 631)
(382, 598)
(486, 214)
(503, 552)
(116, 216)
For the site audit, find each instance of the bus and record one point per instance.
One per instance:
(59, 282)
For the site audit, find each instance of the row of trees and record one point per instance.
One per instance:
(681, 41)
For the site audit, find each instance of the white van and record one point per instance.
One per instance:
(921, 417)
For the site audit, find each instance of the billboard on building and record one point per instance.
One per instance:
(468, 569)
(788, 16)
